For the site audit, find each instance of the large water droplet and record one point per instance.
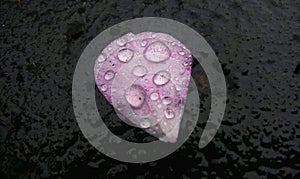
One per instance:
(109, 75)
(135, 96)
(161, 78)
(121, 42)
(169, 114)
(154, 96)
(125, 55)
(157, 52)
(145, 123)
(167, 100)
(103, 87)
(102, 57)
(139, 71)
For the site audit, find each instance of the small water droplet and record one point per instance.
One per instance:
(145, 123)
(109, 75)
(153, 35)
(157, 52)
(161, 78)
(102, 57)
(125, 55)
(146, 81)
(181, 53)
(135, 96)
(109, 49)
(178, 88)
(139, 71)
(152, 131)
(167, 100)
(144, 43)
(185, 63)
(121, 42)
(185, 83)
(154, 96)
(169, 114)
(103, 87)
(173, 43)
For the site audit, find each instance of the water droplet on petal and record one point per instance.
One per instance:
(169, 114)
(102, 57)
(109, 75)
(103, 87)
(173, 43)
(181, 53)
(157, 52)
(153, 35)
(185, 83)
(185, 63)
(125, 55)
(144, 43)
(167, 100)
(154, 96)
(139, 71)
(178, 88)
(161, 78)
(121, 42)
(135, 96)
(145, 123)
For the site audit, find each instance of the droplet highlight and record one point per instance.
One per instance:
(103, 87)
(145, 123)
(121, 42)
(102, 57)
(109, 75)
(161, 78)
(154, 96)
(135, 96)
(178, 88)
(157, 52)
(139, 71)
(167, 100)
(169, 113)
(125, 55)
(144, 43)
(181, 53)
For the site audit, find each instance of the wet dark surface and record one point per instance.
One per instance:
(257, 43)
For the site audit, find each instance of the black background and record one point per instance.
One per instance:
(257, 43)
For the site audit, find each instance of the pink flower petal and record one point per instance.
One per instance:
(145, 76)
